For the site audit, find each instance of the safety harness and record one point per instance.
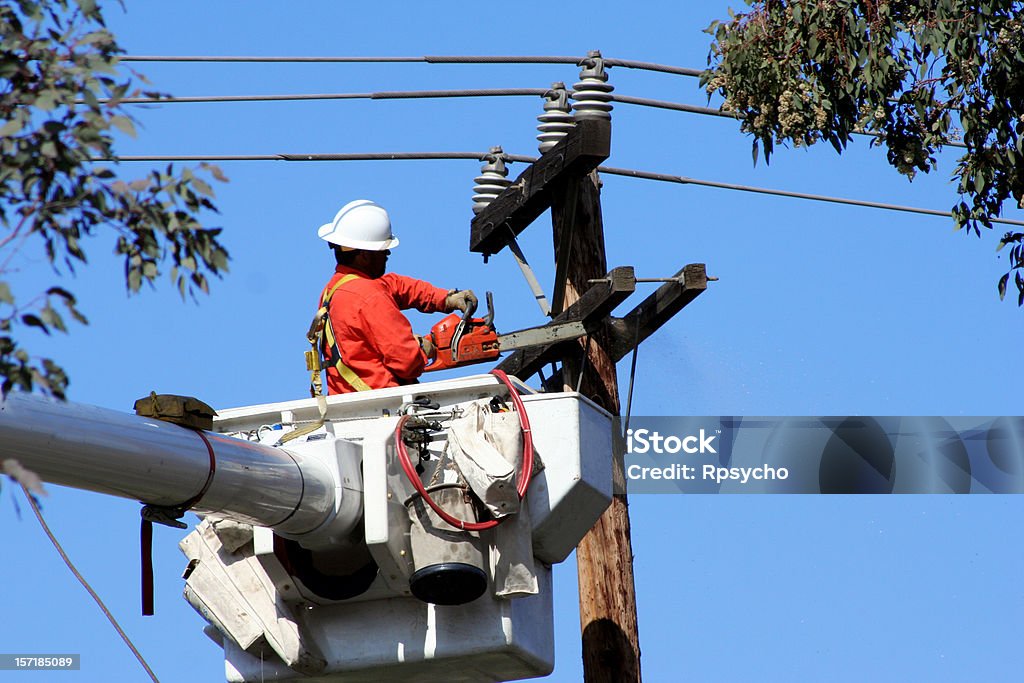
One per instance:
(325, 352)
(321, 337)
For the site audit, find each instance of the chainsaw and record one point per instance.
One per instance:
(467, 340)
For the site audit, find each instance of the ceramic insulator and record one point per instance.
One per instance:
(492, 180)
(592, 94)
(557, 120)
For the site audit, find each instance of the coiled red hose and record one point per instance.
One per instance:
(522, 483)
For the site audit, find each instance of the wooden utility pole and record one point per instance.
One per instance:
(565, 179)
(604, 558)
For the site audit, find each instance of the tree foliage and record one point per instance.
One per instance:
(61, 92)
(915, 75)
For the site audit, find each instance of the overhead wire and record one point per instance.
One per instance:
(785, 193)
(85, 584)
(632, 173)
(357, 156)
(481, 59)
(386, 95)
(455, 59)
(429, 59)
(610, 170)
(709, 111)
(434, 94)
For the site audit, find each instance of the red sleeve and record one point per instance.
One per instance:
(412, 293)
(391, 334)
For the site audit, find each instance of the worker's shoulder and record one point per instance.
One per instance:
(358, 287)
(395, 279)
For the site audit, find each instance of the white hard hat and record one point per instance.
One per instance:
(361, 224)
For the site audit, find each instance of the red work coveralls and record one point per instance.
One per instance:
(375, 339)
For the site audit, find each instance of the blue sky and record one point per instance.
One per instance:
(819, 310)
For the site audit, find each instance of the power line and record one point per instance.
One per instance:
(648, 66)
(645, 175)
(429, 94)
(351, 60)
(411, 94)
(674, 106)
(372, 156)
(388, 95)
(429, 59)
(85, 584)
(708, 111)
(405, 94)
(439, 59)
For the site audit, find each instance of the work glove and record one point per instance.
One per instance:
(427, 344)
(462, 300)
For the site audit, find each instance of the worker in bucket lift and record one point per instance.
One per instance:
(366, 342)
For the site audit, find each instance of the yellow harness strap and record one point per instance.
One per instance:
(331, 343)
(321, 337)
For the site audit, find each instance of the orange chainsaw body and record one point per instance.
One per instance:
(463, 341)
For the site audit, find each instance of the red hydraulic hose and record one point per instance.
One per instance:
(525, 474)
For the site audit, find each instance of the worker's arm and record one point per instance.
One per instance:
(391, 335)
(409, 292)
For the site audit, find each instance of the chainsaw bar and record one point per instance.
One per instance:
(460, 341)
(539, 336)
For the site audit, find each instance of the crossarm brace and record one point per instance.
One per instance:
(630, 330)
(592, 308)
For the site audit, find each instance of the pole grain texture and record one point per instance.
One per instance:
(604, 558)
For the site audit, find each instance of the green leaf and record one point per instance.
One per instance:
(5, 293)
(215, 172)
(134, 279)
(1002, 286)
(11, 127)
(202, 187)
(219, 260)
(47, 100)
(52, 318)
(90, 99)
(32, 320)
(75, 313)
(62, 293)
(124, 124)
